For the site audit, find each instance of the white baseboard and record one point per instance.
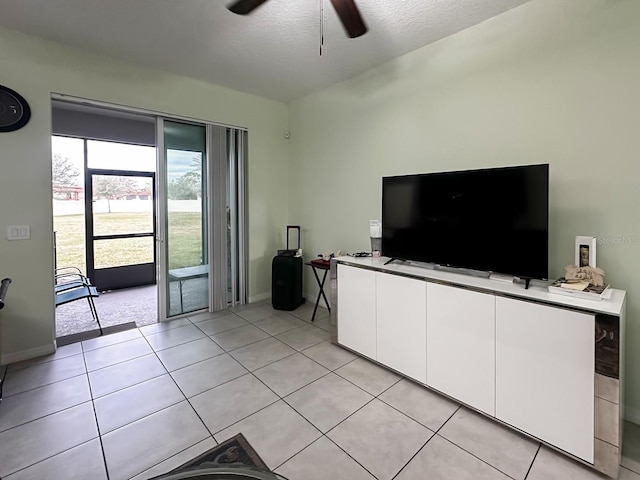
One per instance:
(28, 354)
(259, 298)
(311, 299)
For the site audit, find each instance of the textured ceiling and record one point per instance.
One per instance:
(273, 52)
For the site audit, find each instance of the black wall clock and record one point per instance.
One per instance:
(14, 110)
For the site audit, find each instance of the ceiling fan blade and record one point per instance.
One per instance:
(244, 7)
(350, 17)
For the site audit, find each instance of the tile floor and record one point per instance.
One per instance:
(138, 403)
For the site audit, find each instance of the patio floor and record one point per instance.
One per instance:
(137, 305)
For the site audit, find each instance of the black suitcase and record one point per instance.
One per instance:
(286, 277)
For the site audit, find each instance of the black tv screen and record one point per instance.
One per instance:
(492, 220)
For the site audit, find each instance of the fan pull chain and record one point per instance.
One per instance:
(321, 25)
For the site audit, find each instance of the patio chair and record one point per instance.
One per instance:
(71, 285)
(4, 287)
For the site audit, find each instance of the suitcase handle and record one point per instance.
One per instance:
(293, 227)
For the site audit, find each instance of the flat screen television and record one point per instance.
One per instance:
(493, 220)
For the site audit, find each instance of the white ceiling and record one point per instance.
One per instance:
(273, 52)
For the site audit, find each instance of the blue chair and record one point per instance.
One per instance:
(71, 285)
(4, 287)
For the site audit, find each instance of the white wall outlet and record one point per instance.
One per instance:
(18, 232)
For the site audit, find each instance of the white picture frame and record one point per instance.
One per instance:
(585, 254)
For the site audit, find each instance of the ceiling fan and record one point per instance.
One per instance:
(347, 11)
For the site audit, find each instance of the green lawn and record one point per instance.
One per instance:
(185, 239)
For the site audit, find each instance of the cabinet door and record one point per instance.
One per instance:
(461, 345)
(545, 373)
(402, 324)
(357, 309)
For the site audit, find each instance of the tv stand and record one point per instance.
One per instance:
(529, 359)
(525, 280)
(393, 259)
(463, 271)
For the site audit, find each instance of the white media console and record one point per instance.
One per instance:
(548, 365)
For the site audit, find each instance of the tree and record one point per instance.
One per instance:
(65, 173)
(189, 185)
(112, 187)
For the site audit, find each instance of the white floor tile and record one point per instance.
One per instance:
(329, 355)
(368, 376)
(381, 438)
(289, 374)
(550, 465)
(162, 326)
(227, 404)
(177, 460)
(499, 446)
(187, 354)
(304, 337)
(40, 402)
(256, 314)
(111, 339)
(305, 311)
(117, 353)
(323, 460)
(424, 406)
(61, 352)
(276, 433)
(276, 324)
(328, 401)
(239, 337)
(207, 374)
(43, 438)
(262, 353)
(442, 460)
(249, 306)
(221, 324)
(202, 316)
(324, 323)
(140, 445)
(83, 462)
(174, 336)
(133, 403)
(125, 374)
(19, 381)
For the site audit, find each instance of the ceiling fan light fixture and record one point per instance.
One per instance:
(244, 7)
(347, 11)
(350, 17)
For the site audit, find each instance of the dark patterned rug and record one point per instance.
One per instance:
(234, 455)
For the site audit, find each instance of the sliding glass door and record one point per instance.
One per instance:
(186, 266)
(201, 246)
(176, 179)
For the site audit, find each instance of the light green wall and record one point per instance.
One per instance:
(552, 81)
(36, 68)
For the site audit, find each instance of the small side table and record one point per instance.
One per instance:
(316, 265)
(187, 273)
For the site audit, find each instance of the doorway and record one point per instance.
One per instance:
(104, 216)
(185, 220)
(169, 216)
(120, 218)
